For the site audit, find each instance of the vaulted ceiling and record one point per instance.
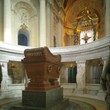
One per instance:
(74, 7)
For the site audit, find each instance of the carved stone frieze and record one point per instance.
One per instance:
(16, 71)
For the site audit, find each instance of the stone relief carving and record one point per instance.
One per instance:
(0, 75)
(16, 71)
(105, 82)
(93, 70)
(23, 11)
(24, 16)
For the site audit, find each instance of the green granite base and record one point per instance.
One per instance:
(59, 106)
(42, 100)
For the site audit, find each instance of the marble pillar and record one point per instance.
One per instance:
(104, 64)
(64, 74)
(51, 24)
(81, 75)
(59, 35)
(42, 23)
(48, 19)
(107, 18)
(7, 21)
(1, 20)
(4, 83)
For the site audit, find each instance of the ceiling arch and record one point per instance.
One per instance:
(74, 7)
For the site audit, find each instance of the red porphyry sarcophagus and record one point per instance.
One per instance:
(42, 68)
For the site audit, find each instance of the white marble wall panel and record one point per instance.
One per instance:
(94, 50)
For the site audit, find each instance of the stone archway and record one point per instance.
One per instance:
(25, 21)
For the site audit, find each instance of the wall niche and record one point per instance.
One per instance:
(94, 70)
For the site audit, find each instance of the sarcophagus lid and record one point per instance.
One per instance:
(42, 54)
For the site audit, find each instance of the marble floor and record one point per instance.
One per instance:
(98, 104)
(84, 103)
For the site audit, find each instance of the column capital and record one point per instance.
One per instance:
(80, 61)
(50, 2)
(42, 1)
(104, 58)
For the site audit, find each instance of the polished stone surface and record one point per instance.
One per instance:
(60, 105)
(42, 68)
(42, 98)
(75, 103)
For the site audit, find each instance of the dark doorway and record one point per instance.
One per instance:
(22, 40)
(72, 71)
(23, 37)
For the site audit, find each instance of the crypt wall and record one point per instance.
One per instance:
(79, 65)
(24, 19)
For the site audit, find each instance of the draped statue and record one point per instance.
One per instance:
(0, 75)
(105, 82)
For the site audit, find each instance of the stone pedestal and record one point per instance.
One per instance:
(59, 106)
(43, 100)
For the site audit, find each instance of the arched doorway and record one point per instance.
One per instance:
(72, 71)
(23, 37)
(22, 40)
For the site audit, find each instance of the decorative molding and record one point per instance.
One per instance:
(93, 50)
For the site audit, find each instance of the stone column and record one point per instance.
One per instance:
(4, 84)
(51, 24)
(107, 18)
(101, 93)
(42, 23)
(64, 74)
(48, 19)
(104, 65)
(81, 77)
(59, 27)
(1, 20)
(7, 21)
